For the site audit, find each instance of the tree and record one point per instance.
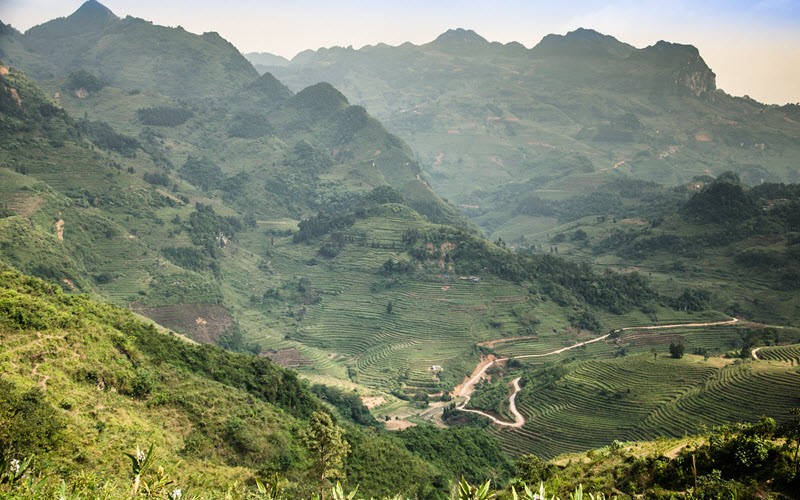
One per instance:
(533, 469)
(326, 443)
(655, 352)
(791, 431)
(676, 349)
(389, 307)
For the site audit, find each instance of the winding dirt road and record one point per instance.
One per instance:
(466, 389)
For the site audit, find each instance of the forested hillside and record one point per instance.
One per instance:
(246, 274)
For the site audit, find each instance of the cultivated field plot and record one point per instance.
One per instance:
(786, 353)
(642, 397)
(412, 331)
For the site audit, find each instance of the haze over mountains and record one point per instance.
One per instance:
(275, 216)
(559, 119)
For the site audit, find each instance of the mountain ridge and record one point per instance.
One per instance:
(562, 117)
(296, 226)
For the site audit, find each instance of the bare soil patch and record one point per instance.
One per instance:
(287, 358)
(372, 401)
(398, 425)
(25, 206)
(702, 137)
(203, 323)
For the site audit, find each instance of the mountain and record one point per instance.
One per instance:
(261, 60)
(293, 225)
(458, 39)
(133, 54)
(583, 43)
(737, 243)
(489, 121)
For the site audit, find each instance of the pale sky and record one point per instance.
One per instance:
(752, 45)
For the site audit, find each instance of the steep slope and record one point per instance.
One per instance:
(85, 383)
(134, 76)
(488, 121)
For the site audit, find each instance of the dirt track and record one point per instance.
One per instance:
(465, 390)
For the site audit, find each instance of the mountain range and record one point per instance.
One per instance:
(275, 216)
(488, 120)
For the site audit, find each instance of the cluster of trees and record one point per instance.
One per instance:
(206, 227)
(316, 226)
(393, 267)
(156, 178)
(202, 172)
(348, 404)
(103, 136)
(651, 201)
(250, 125)
(723, 201)
(82, 79)
(164, 116)
(186, 257)
(565, 281)
(692, 299)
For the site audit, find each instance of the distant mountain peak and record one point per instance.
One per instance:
(460, 36)
(92, 9)
(587, 34)
(689, 70)
(674, 48)
(585, 41)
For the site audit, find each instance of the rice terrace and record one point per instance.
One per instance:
(408, 261)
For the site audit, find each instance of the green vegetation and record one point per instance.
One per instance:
(82, 79)
(523, 136)
(730, 460)
(84, 379)
(581, 398)
(296, 231)
(164, 116)
(718, 265)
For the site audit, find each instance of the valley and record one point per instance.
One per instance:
(438, 251)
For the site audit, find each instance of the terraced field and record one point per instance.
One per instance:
(786, 353)
(641, 397)
(436, 317)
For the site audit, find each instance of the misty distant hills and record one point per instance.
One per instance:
(263, 60)
(489, 119)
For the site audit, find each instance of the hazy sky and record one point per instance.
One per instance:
(752, 46)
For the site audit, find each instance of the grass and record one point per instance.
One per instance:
(87, 372)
